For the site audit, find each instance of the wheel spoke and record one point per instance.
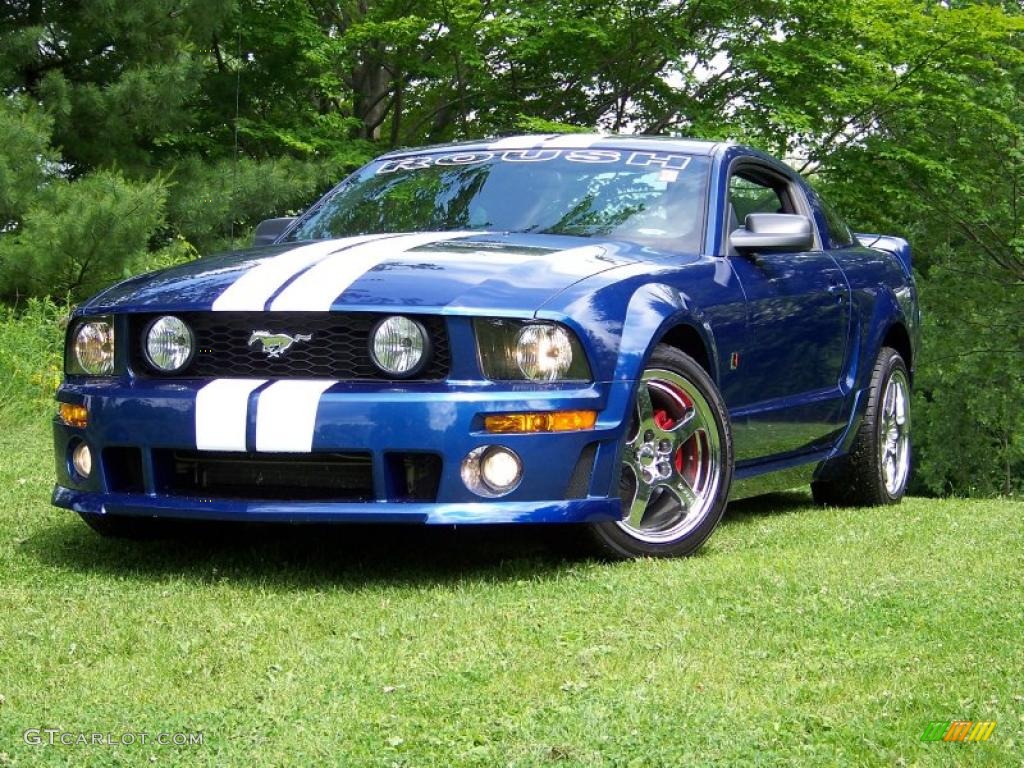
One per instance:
(679, 488)
(629, 452)
(890, 468)
(638, 507)
(901, 407)
(644, 407)
(682, 430)
(889, 406)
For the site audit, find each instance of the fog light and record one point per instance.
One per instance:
(73, 415)
(81, 460)
(492, 471)
(399, 346)
(500, 469)
(169, 344)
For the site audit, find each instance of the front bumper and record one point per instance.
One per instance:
(567, 476)
(139, 505)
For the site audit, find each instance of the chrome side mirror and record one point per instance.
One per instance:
(773, 232)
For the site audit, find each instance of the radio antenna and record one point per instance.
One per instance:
(234, 168)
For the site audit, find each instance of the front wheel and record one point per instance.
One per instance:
(676, 462)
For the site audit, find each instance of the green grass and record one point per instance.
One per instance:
(799, 636)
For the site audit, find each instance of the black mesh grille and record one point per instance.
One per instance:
(579, 482)
(296, 477)
(337, 349)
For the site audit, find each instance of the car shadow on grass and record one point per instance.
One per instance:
(300, 556)
(750, 510)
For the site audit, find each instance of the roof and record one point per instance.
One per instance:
(570, 141)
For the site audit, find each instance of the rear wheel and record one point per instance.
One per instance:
(676, 463)
(877, 467)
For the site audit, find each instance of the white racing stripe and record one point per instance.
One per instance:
(316, 289)
(286, 410)
(286, 415)
(222, 412)
(251, 291)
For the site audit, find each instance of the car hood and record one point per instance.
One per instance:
(449, 272)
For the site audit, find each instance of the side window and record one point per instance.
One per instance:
(756, 189)
(839, 233)
(748, 196)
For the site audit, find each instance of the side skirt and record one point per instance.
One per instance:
(777, 475)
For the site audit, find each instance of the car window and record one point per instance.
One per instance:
(748, 196)
(838, 231)
(657, 199)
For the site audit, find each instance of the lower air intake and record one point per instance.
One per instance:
(268, 476)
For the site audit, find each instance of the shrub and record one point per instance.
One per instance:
(30, 357)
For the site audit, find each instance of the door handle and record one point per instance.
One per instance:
(837, 289)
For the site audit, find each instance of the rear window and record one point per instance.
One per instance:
(839, 233)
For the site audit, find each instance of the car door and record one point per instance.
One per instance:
(787, 389)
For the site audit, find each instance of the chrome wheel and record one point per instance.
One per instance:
(671, 463)
(894, 437)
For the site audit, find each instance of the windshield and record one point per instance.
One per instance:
(655, 198)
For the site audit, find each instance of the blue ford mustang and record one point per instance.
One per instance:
(618, 331)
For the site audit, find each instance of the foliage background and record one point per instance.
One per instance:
(138, 133)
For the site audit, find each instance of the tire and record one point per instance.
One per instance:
(876, 469)
(125, 527)
(676, 469)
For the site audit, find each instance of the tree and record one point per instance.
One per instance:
(158, 129)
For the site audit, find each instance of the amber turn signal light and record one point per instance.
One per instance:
(73, 415)
(554, 421)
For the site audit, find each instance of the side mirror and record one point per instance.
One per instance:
(269, 230)
(773, 232)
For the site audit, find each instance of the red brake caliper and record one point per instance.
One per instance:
(687, 454)
(664, 421)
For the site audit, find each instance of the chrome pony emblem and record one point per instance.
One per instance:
(276, 344)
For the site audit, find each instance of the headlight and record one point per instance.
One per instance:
(399, 346)
(544, 352)
(512, 350)
(169, 344)
(92, 348)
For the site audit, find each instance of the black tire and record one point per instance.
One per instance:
(858, 478)
(125, 527)
(620, 540)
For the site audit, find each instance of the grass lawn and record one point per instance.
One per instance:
(799, 636)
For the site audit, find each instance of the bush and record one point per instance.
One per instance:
(31, 362)
(969, 419)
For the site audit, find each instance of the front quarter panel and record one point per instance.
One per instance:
(623, 313)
